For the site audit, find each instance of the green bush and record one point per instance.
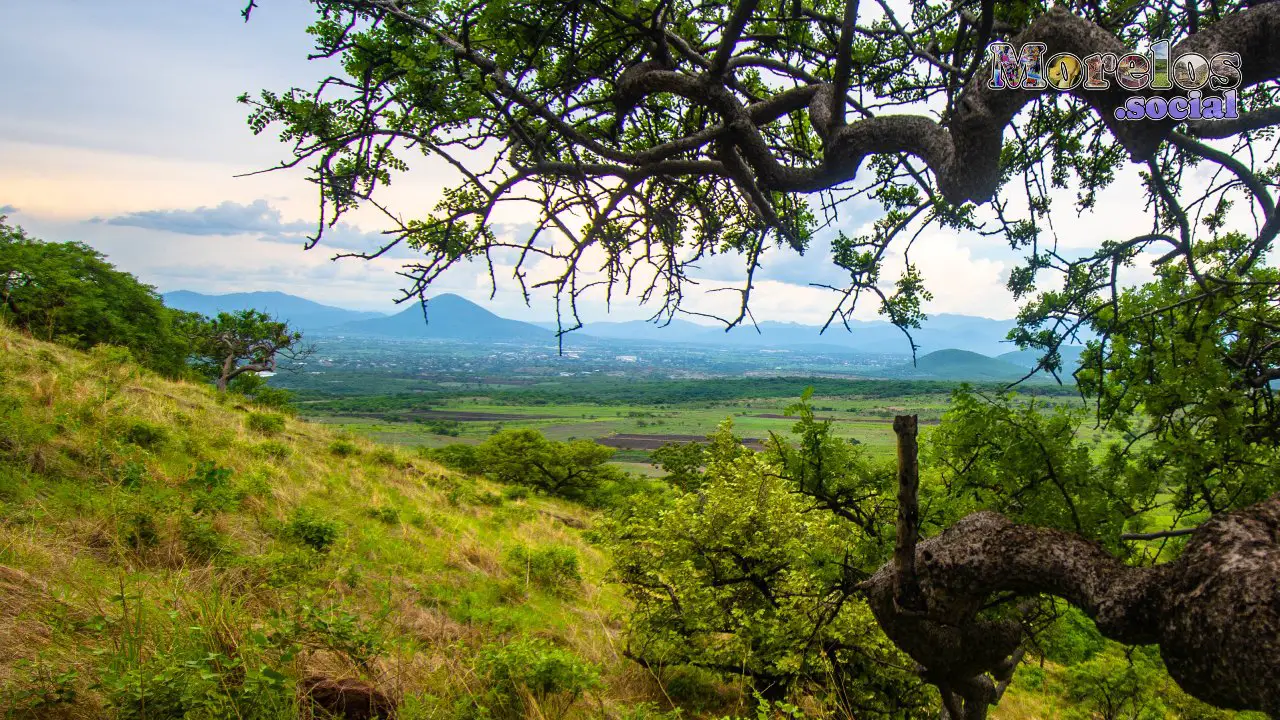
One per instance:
(145, 435)
(265, 423)
(692, 687)
(554, 568)
(312, 530)
(43, 689)
(386, 457)
(272, 450)
(344, 448)
(139, 531)
(532, 669)
(200, 540)
(458, 456)
(212, 490)
(384, 514)
(197, 678)
(516, 492)
(255, 388)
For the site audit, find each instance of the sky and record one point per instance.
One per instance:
(119, 128)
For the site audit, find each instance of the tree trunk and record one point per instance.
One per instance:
(1214, 612)
(906, 588)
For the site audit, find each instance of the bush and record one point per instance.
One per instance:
(200, 539)
(458, 456)
(139, 531)
(145, 435)
(532, 670)
(386, 457)
(308, 528)
(344, 448)
(553, 568)
(212, 489)
(254, 388)
(272, 450)
(265, 423)
(384, 514)
(515, 492)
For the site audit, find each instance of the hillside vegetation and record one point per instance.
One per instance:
(167, 553)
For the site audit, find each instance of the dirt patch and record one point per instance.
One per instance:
(632, 441)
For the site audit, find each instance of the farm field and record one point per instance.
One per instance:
(633, 429)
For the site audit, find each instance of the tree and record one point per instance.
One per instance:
(744, 574)
(69, 292)
(575, 469)
(245, 341)
(645, 137)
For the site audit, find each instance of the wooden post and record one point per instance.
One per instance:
(906, 586)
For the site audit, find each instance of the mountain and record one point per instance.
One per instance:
(1028, 358)
(940, 332)
(958, 365)
(449, 317)
(299, 312)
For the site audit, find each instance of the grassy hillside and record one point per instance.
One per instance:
(164, 552)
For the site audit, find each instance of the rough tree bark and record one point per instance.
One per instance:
(1214, 612)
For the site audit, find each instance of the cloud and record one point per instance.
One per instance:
(7, 209)
(258, 219)
(227, 218)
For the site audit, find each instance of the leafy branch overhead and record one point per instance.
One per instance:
(615, 146)
(638, 139)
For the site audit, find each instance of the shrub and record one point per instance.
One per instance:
(44, 688)
(265, 423)
(344, 448)
(308, 528)
(140, 532)
(272, 450)
(145, 435)
(532, 670)
(458, 456)
(255, 388)
(515, 492)
(554, 568)
(387, 457)
(693, 687)
(200, 539)
(212, 489)
(384, 514)
(130, 474)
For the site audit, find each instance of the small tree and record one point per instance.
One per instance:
(576, 469)
(245, 341)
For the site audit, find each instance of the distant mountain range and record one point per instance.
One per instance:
(951, 347)
(448, 317)
(940, 332)
(299, 312)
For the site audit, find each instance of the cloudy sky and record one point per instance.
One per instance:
(119, 128)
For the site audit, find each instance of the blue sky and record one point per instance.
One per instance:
(119, 128)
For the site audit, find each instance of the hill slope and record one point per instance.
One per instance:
(158, 549)
(958, 365)
(299, 312)
(450, 317)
